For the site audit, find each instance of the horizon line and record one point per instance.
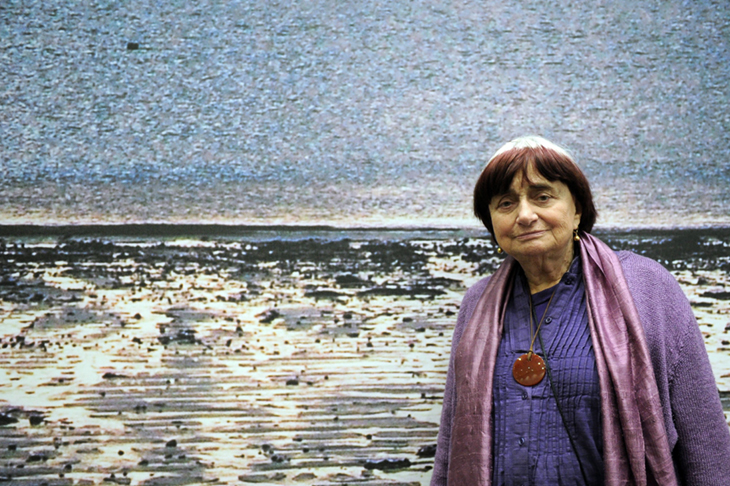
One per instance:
(148, 229)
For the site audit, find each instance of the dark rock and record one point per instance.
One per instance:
(349, 280)
(35, 419)
(110, 375)
(36, 458)
(427, 451)
(387, 464)
(269, 316)
(701, 304)
(171, 443)
(184, 336)
(718, 295)
(323, 294)
(132, 46)
(292, 382)
(7, 419)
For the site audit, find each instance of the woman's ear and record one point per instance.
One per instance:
(578, 214)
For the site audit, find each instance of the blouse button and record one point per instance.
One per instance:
(569, 280)
(548, 320)
(522, 441)
(524, 395)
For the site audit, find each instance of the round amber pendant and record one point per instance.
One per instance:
(529, 369)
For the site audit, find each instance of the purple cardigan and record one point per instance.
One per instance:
(693, 416)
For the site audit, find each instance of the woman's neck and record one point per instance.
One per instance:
(544, 273)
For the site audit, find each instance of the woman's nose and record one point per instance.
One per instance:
(526, 214)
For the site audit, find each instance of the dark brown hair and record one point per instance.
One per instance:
(549, 160)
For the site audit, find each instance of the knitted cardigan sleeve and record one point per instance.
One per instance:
(441, 461)
(695, 423)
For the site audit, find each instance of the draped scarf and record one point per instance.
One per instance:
(635, 446)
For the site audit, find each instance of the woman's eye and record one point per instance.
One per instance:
(543, 198)
(504, 204)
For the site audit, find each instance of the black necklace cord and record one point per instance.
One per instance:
(557, 402)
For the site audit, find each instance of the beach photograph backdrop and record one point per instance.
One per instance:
(235, 235)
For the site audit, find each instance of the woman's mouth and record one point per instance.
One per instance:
(531, 235)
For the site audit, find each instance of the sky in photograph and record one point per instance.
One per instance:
(356, 113)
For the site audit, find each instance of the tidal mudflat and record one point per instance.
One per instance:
(308, 359)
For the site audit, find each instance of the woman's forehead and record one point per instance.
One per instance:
(534, 181)
(529, 177)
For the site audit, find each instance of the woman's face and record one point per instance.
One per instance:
(535, 219)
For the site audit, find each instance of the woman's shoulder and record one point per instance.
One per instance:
(641, 270)
(656, 294)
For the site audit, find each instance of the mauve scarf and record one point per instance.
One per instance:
(635, 446)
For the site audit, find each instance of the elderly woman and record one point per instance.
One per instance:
(573, 364)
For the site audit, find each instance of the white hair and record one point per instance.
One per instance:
(532, 142)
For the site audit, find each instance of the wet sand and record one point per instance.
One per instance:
(226, 360)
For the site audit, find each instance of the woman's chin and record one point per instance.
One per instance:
(536, 249)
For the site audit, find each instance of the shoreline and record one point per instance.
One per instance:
(151, 230)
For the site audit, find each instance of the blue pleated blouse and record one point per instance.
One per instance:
(531, 444)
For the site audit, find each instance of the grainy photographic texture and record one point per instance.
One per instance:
(152, 347)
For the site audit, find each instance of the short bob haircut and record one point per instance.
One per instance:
(549, 160)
